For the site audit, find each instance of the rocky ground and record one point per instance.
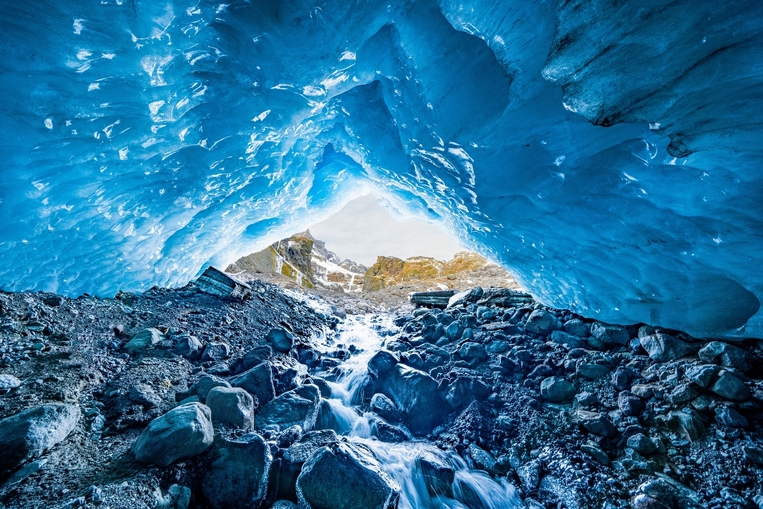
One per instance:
(178, 399)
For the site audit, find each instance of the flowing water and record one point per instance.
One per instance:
(472, 489)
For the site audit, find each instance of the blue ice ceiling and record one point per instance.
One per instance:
(609, 153)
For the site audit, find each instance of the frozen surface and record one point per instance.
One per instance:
(142, 140)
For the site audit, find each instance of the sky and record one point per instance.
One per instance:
(363, 230)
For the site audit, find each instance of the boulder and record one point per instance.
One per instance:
(557, 390)
(465, 389)
(385, 408)
(471, 351)
(183, 432)
(416, 396)
(143, 340)
(256, 356)
(231, 405)
(188, 346)
(454, 331)
(607, 336)
(596, 423)
(280, 339)
(594, 450)
(238, 475)
(8, 383)
(216, 351)
(730, 417)
(576, 327)
(541, 322)
(686, 424)
(730, 387)
(143, 394)
(642, 444)
(382, 363)
(257, 381)
(340, 476)
(387, 432)
(567, 340)
(663, 348)
(296, 407)
(591, 371)
(726, 355)
(304, 447)
(205, 384)
(437, 472)
(703, 374)
(28, 434)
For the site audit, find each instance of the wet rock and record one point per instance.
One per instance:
(730, 387)
(483, 460)
(216, 351)
(663, 348)
(576, 327)
(143, 340)
(541, 322)
(296, 407)
(385, 408)
(257, 381)
(726, 355)
(437, 472)
(28, 434)
(471, 351)
(341, 477)
(231, 405)
(630, 404)
(594, 450)
(238, 475)
(557, 390)
(730, 417)
(703, 374)
(183, 432)
(280, 339)
(382, 363)
(596, 423)
(567, 340)
(301, 450)
(642, 444)
(8, 383)
(606, 336)
(143, 394)
(205, 384)
(188, 346)
(387, 432)
(591, 371)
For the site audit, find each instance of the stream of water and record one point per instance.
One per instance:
(472, 489)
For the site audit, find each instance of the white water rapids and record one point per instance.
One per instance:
(472, 489)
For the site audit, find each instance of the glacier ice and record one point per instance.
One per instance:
(606, 152)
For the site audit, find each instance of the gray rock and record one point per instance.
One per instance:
(280, 339)
(730, 417)
(28, 434)
(343, 477)
(301, 450)
(216, 351)
(188, 346)
(557, 390)
(232, 405)
(606, 336)
(8, 382)
(541, 321)
(238, 475)
(664, 348)
(143, 340)
(385, 408)
(257, 381)
(567, 340)
(296, 407)
(143, 394)
(470, 351)
(592, 371)
(577, 328)
(655, 494)
(438, 473)
(642, 444)
(730, 387)
(594, 450)
(726, 355)
(596, 423)
(183, 432)
(205, 384)
(703, 374)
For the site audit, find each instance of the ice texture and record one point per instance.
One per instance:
(608, 153)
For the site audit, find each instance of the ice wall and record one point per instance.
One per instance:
(607, 152)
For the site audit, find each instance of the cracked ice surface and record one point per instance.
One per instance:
(142, 140)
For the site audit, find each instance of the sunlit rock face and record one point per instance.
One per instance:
(607, 152)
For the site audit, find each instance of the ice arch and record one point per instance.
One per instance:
(144, 139)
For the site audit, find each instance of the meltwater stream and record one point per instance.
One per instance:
(471, 489)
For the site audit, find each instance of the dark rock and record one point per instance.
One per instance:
(28, 434)
(541, 322)
(454, 331)
(256, 356)
(296, 407)
(642, 444)
(143, 340)
(703, 374)
(596, 423)
(188, 346)
(587, 399)
(591, 371)
(343, 477)
(205, 384)
(472, 351)
(215, 352)
(529, 475)
(664, 348)
(730, 387)
(606, 336)
(753, 454)
(238, 475)
(216, 282)
(569, 341)
(630, 404)
(621, 378)
(385, 408)
(183, 432)
(257, 381)
(685, 424)
(682, 393)
(503, 297)
(382, 363)
(594, 450)
(387, 432)
(726, 355)
(465, 389)
(233, 406)
(280, 339)
(557, 390)
(577, 328)
(540, 371)
(436, 299)
(144, 395)
(415, 394)
(301, 450)
(438, 473)
(655, 494)
(730, 417)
